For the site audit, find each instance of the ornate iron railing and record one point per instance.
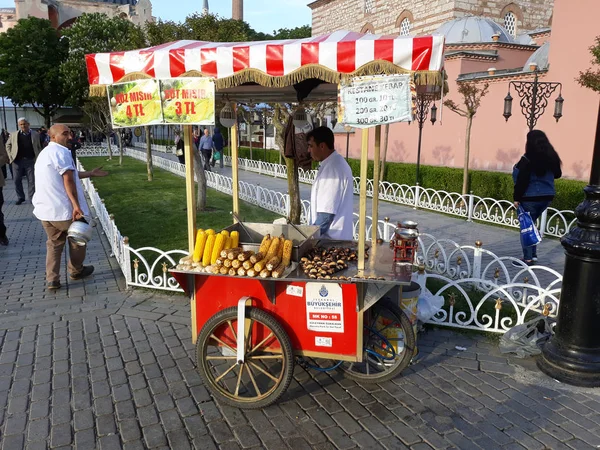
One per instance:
(477, 284)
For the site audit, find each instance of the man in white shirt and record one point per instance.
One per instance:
(331, 196)
(58, 201)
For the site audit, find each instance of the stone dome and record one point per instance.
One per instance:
(524, 39)
(472, 29)
(539, 57)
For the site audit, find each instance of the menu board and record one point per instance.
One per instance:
(375, 100)
(135, 103)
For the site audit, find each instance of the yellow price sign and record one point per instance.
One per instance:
(188, 101)
(135, 103)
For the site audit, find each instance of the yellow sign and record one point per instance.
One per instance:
(135, 103)
(188, 101)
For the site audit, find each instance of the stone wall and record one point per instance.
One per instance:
(428, 15)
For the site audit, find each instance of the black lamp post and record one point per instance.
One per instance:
(424, 100)
(348, 131)
(534, 99)
(573, 354)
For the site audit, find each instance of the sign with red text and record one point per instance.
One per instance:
(135, 103)
(188, 101)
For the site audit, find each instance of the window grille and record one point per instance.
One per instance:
(405, 27)
(510, 23)
(369, 6)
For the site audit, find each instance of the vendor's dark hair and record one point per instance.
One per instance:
(540, 153)
(321, 135)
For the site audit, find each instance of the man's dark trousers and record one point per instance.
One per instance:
(24, 168)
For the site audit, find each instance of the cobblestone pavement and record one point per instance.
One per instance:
(96, 366)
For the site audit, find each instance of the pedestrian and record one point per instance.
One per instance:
(73, 146)
(218, 142)
(23, 147)
(332, 193)
(3, 161)
(533, 178)
(206, 148)
(179, 147)
(44, 139)
(4, 137)
(59, 200)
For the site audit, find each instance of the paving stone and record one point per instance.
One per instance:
(219, 431)
(154, 436)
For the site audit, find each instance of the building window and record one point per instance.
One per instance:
(510, 23)
(405, 26)
(369, 6)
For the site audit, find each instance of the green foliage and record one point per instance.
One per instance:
(134, 201)
(30, 57)
(591, 77)
(163, 31)
(293, 33)
(95, 33)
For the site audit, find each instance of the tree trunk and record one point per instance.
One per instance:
(110, 155)
(120, 149)
(386, 133)
(250, 139)
(149, 154)
(294, 190)
(201, 176)
(465, 186)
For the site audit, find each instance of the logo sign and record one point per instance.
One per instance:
(188, 101)
(324, 307)
(135, 103)
(375, 100)
(137, 131)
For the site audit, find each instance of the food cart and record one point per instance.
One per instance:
(249, 330)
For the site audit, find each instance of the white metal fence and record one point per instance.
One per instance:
(469, 277)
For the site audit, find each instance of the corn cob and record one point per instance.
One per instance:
(223, 270)
(264, 245)
(273, 249)
(265, 273)
(214, 269)
(219, 243)
(247, 265)
(245, 255)
(251, 272)
(278, 271)
(287, 252)
(232, 272)
(225, 233)
(273, 263)
(210, 242)
(241, 272)
(227, 263)
(260, 265)
(236, 264)
(227, 244)
(235, 239)
(233, 253)
(256, 257)
(280, 247)
(210, 231)
(219, 262)
(199, 248)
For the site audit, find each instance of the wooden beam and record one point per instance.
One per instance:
(190, 191)
(234, 165)
(375, 201)
(362, 209)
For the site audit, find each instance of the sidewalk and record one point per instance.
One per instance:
(96, 366)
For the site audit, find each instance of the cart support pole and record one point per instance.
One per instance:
(234, 166)
(191, 215)
(375, 201)
(362, 209)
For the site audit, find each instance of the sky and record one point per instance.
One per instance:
(262, 15)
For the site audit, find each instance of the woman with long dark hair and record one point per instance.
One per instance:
(534, 177)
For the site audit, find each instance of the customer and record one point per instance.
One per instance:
(179, 147)
(23, 147)
(206, 148)
(58, 201)
(534, 177)
(3, 160)
(219, 143)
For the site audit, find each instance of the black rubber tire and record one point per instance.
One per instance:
(401, 363)
(204, 369)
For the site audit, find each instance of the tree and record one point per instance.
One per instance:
(30, 57)
(293, 33)
(95, 33)
(163, 31)
(97, 116)
(591, 78)
(472, 96)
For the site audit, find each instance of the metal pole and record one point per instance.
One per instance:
(533, 101)
(375, 199)
(573, 354)
(234, 167)
(347, 144)
(419, 150)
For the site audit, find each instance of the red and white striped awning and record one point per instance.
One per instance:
(338, 53)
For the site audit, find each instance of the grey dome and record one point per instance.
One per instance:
(472, 29)
(539, 57)
(524, 39)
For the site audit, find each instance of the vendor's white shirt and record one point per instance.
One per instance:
(332, 192)
(50, 201)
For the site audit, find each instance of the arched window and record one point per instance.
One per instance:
(510, 23)
(368, 29)
(405, 27)
(369, 6)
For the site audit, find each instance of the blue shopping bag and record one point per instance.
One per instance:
(530, 235)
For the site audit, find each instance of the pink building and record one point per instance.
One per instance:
(475, 45)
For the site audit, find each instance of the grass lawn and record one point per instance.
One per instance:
(152, 214)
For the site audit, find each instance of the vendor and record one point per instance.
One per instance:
(331, 197)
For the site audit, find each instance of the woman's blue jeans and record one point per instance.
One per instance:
(535, 210)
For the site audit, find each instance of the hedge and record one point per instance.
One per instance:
(497, 185)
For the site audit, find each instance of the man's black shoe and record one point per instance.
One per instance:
(4, 240)
(86, 272)
(53, 285)
(20, 201)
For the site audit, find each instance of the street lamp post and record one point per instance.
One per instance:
(424, 100)
(3, 108)
(348, 129)
(573, 354)
(534, 97)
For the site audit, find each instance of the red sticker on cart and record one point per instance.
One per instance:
(324, 307)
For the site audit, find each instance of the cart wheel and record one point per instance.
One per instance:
(389, 341)
(268, 359)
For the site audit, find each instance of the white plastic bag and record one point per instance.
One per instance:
(428, 305)
(528, 338)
